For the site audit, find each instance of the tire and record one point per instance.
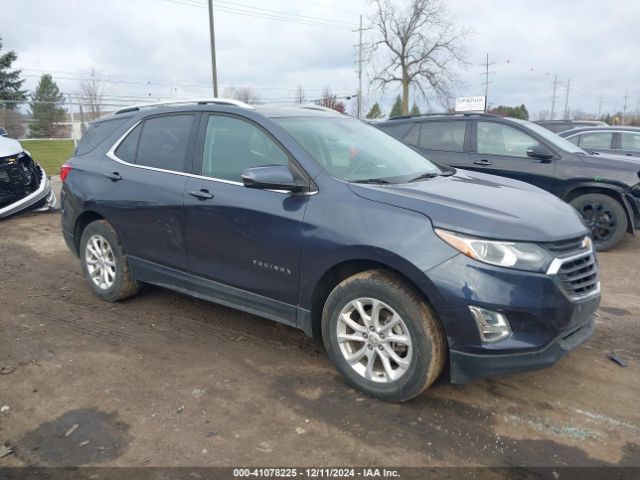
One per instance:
(425, 349)
(604, 216)
(119, 284)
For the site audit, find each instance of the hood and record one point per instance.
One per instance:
(482, 205)
(626, 159)
(9, 147)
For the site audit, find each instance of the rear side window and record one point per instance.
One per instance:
(164, 142)
(128, 147)
(447, 136)
(96, 133)
(596, 140)
(397, 131)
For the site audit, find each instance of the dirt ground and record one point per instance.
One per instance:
(163, 379)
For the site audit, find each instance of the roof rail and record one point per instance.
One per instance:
(319, 107)
(463, 114)
(197, 101)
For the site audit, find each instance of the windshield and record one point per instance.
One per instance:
(551, 137)
(352, 150)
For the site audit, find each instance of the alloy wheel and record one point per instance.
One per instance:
(374, 340)
(100, 262)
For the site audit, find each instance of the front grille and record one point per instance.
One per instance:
(564, 247)
(579, 276)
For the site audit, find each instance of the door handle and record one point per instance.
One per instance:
(484, 161)
(115, 176)
(201, 194)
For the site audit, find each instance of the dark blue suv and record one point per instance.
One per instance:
(322, 222)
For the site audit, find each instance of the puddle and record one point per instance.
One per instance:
(78, 437)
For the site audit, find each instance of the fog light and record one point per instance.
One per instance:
(493, 326)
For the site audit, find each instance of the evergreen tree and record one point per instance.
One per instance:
(375, 112)
(397, 108)
(10, 82)
(414, 109)
(46, 111)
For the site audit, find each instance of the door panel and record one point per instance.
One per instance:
(144, 187)
(501, 150)
(629, 144)
(246, 238)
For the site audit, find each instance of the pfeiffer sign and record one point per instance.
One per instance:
(470, 104)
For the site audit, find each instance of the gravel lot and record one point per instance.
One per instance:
(164, 379)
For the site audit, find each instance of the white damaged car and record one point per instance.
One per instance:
(24, 185)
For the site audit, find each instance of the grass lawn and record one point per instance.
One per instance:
(50, 154)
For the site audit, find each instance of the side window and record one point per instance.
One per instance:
(630, 141)
(231, 145)
(96, 133)
(575, 139)
(164, 142)
(127, 149)
(412, 137)
(447, 136)
(596, 140)
(499, 139)
(395, 130)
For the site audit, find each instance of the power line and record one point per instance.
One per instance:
(553, 99)
(326, 23)
(486, 82)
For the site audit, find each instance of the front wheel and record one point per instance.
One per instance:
(382, 337)
(604, 216)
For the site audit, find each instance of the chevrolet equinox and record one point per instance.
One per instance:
(325, 223)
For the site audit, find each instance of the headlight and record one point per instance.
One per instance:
(519, 255)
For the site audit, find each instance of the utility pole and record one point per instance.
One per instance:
(566, 101)
(600, 107)
(624, 109)
(487, 82)
(75, 142)
(214, 73)
(553, 99)
(360, 29)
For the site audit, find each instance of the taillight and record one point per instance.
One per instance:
(64, 171)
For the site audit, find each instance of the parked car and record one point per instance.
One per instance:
(325, 223)
(606, 193)
(611, 140)
(557, 126)
(24, 185)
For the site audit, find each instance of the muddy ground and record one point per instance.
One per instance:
(164, 379)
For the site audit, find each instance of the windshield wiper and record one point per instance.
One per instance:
(372, 180)
(425, 176)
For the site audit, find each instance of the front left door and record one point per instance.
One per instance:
(243, 238)
(628, 144)
(501, 149)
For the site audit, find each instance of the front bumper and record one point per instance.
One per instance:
(468, 366)
(43, 194)
(546, 320)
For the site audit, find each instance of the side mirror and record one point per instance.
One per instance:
(271, 177)
(539, 151)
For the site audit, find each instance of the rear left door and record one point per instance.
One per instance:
(143, 197)
(443, 141)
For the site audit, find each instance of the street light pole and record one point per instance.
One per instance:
(214, 73)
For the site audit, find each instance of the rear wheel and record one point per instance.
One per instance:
(382, 337)
(104, 262)
(604, 216)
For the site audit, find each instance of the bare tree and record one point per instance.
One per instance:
(244, 94)
(330, 100)
(93, 92)
(300, 96)
(422, 48)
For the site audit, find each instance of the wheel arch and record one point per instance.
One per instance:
(347, 268)
(84, 219)
(610, 190)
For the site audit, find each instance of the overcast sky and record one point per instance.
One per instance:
(160, 48)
